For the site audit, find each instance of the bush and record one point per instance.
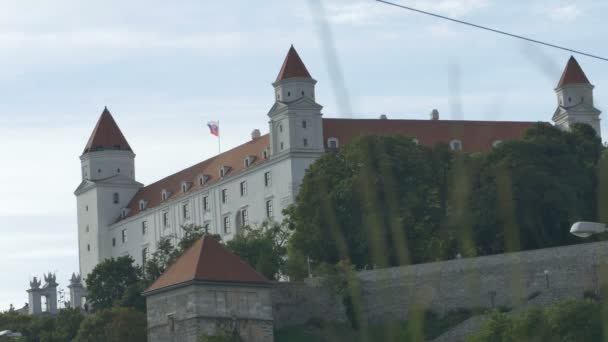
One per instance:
(113, 325)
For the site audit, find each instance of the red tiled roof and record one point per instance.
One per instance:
(476, 136)
(234, 159)
(573, 74)
(293, 66)
(107, 135)
(208, 260)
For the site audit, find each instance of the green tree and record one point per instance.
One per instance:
(113, 325)
(380, 201)
(109, 280)
(529, 192)
(264, 248)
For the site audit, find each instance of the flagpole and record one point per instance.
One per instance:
(219, 146)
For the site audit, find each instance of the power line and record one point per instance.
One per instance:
(493, 30)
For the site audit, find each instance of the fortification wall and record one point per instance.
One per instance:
(512, 280)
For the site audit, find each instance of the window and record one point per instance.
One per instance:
(282, 145)
(332, 143)
(186, 211)
(281, 128)
(206, 227)
(142, 205)
(265, 154)
(202, 180)
(144, 227)
(305, 142)
(88, 247)
(98, 170)
(124, 235)
(116, 198)
(166, 219)
(269, 209)
(247, 162)
(303, 95)
(226, 224)
(243, 188)
(164, 195)
(304, 121)
(118, 170)
(496, 143)
(222, 172)
(224, 196)
(569, 99)
(86, 208)
(184, 187)
(206, 203)
(456, 145)
(244, 218)
(267, 179)
(288, 93)
(87, 228)
(144, 255)
(113, 242)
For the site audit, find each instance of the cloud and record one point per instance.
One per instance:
(565, 13)
(366, 12)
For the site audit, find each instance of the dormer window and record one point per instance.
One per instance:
(124, 212)
(203, 179)
(332, 143)
(265, 153)
(185, 186)
(224, 171)
(496, 143)
(142, 204)
(248, 161)
(164, 195)
(456, 145)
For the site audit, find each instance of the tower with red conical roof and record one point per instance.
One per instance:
(296, 122)
(108, 184)
(575, 99)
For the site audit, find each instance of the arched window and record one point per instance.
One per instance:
(142, 204)
(116, 198)
(164, 195)
(456, 145)
(265, 153)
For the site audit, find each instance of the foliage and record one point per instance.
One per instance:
(529, 192)
(379, 201)
(59, 328)
(113, 325)
(386, 201)
(571, 320)
(431, 326)
(262, 247)
(109, 281)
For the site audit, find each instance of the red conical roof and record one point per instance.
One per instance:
(107, 135)
(293, 66)
(208, 260)
(573, 74)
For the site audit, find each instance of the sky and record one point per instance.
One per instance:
(166, 68)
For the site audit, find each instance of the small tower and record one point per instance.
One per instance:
(575, 99)
(296, 123)
(77, 291)
(108, 184)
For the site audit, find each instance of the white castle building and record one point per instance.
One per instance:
(255, 181)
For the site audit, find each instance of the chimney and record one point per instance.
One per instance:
(255, 134)
(435, 114)
(383, 117)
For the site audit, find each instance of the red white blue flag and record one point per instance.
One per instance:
(214, 128)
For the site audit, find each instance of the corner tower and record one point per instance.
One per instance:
(296, 123)
(108, 184)
(575, 99)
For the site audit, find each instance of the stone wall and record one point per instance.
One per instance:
(535, 277)
(184, 314)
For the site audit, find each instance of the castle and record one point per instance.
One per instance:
(255, 181)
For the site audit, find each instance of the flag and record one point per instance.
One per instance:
(214, 128)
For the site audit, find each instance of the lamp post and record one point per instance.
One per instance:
(586, 229)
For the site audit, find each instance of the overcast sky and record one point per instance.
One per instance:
(164, 68)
